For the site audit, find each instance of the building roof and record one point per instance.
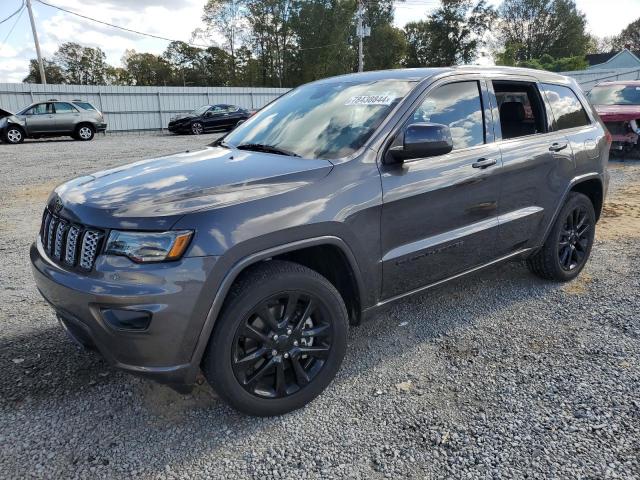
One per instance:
(600, 58)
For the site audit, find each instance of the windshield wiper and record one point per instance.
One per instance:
(221, 142)
(259, 147)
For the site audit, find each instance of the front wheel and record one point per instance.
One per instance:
(197, 128)
(568, 246)
(14, 135)
(279, 340)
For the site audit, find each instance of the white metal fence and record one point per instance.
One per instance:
(137, 108)
(590, 78)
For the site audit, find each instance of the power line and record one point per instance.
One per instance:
(4, 42)
(14, 13)
(119, 27)
(149, 34)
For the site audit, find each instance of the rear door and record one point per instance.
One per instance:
(572, 119)
(67, 117)
(439, 214)
(537, 161)
(40, 119)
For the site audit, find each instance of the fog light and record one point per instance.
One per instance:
(126, 319)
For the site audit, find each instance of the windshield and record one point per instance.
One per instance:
(322, 120)
(201, 110)
(615, 95)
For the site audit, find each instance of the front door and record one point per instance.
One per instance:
(40, 119)
(439, 214)
(214, 118)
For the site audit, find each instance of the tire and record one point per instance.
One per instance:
(568, 246)
(197, 128)
(13, 135)
(260, 374)
(84, 132)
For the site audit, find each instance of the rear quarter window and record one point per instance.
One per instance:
(84, 105)
(567, 110)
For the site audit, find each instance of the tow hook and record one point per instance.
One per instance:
(200, 378)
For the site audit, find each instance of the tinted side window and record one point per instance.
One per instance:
(457, 105)
(567, 109)
(63, 107)
(40, 109)
(84, 105)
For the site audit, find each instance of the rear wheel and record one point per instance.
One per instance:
(84, 132)
(279, 340)
(568, 246)
(13, 135)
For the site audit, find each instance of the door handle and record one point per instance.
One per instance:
(556, 147)
(484, 163)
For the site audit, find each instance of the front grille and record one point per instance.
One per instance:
(70, 243)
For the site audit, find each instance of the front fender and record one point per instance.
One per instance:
(230, 266)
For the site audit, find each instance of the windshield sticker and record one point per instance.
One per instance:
(380, 99)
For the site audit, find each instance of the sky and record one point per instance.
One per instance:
(176, 19)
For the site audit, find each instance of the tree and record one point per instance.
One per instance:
(227, 18)
(547, 62)
(52, 71)
(629, 38)
(147, 69)
(186, 63)
(532, 28)
(323, 34)
(82, 65)
(386, 47)
(451, 35)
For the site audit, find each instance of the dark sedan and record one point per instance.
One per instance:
(209, 117)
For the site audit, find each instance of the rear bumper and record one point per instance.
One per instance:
(175, 295)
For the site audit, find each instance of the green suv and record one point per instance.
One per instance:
(53, 118)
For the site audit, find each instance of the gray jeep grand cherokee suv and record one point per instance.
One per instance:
(244, 263)
(53, 118)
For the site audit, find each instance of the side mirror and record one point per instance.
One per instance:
(421, 140)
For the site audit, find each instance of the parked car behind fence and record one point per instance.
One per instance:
(209, 117)
(53, 118)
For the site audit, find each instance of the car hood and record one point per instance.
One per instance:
(618, 113)
(184, 116)
(154, 194)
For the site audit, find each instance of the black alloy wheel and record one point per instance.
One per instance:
(279, 339)
(568, 245)
(574, 240)
(282, 345)
(197, 128)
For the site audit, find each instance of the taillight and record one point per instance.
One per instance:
(609, 137)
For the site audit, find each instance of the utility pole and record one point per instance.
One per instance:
(43, 78)
(362, 32)
(360, 35)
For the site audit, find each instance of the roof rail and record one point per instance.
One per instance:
(52, 100)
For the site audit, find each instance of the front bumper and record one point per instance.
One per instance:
(101, 127)
(177, 295)
(178, 127)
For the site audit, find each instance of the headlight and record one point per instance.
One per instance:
(148, 246)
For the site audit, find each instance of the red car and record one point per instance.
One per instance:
(618, 104)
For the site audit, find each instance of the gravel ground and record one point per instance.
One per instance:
(497, 375)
